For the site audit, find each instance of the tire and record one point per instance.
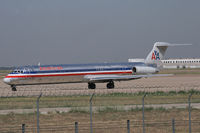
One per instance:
(91, 86)
(110, 85)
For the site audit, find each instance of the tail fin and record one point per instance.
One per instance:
(158, 51)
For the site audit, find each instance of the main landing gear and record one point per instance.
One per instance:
(109, 85)
(91, 86)
(13, 88)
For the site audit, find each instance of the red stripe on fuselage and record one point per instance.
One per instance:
(74, 74)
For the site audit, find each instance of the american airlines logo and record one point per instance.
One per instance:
(51, 68)
(155, 55)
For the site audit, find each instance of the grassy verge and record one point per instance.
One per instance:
(3, 73)
(115, 99)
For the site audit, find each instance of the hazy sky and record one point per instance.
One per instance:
(86, 31)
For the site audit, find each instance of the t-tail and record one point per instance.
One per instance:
(158, 52)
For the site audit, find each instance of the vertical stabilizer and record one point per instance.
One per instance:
(158, 52)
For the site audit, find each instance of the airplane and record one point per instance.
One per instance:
(90, 73)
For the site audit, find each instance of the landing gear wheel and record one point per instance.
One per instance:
(111, 85)
(13, 88)
(91, 86)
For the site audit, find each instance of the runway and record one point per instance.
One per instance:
(172, 83)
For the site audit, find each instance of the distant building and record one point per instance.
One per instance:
(175, 63)
(136, 60)
(181, 63)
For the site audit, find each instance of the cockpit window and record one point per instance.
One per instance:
(18, 71)
(22, 70)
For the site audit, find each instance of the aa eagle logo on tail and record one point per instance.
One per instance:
(155, 55)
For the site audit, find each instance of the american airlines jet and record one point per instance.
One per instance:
(89, 73)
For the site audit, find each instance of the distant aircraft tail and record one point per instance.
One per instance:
(158, 52)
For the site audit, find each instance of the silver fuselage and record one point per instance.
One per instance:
(55, 74)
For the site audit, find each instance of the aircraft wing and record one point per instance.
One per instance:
(107, 78)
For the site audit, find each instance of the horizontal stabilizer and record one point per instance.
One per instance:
(169, 44)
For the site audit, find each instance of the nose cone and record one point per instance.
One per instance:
(7, 80)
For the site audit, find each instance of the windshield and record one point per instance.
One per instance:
(21, 70)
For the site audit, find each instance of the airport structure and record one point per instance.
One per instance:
(181, 63)
(175, 63)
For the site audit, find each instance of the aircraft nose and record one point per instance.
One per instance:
(7, 80)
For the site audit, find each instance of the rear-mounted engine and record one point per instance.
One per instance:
(144, 70)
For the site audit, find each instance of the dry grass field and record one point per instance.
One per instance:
(157, 121)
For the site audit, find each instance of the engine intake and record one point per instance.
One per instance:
(144, 70)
